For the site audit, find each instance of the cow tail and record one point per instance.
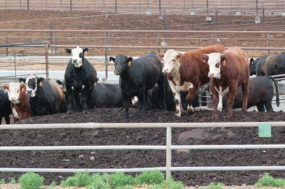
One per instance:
(277, 92)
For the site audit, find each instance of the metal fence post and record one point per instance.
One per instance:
(7, 41)
(164, 28)
(116, 8)
(207, 8)
(159, 6)
(55, 43)
(46, 60)
(263, 16)
(107, 43)
(268, 43)
(158, 42)
(21, 3)
(51, 28)
(216, 19)
(168, 151)
(256, 8)
(60, 4)
(28, 4)
(71, 5)
(15, 67)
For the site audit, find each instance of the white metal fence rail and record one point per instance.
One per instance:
(168, 147)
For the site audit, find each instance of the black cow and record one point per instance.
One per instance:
(5, 107)
(45, 98)
(80, 77)
(137, 77)
(268, 65)
(260, 94)
(107, 95)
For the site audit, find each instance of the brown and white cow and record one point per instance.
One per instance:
(19, 100)
(186, 72)
(228, 70)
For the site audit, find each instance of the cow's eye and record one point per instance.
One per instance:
(217, 65)
(80, 55)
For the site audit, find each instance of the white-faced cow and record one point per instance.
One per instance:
(45, 97)
(186, 72)
(137, 77)
(5, 109)
(228, 70)
(19, 100)
(80, 77)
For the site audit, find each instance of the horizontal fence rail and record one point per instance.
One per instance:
(168, 147)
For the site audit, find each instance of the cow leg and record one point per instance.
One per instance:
(78, 107)
(245, 90)
(177, 99)
(7, 119)
(89, 99)
(260, 107)
(189, 98)
(215, 114)
(230, 101)
(161, 85)
(127, 103)
(268, 106)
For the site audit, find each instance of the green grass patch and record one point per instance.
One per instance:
(31, 180)
(268, 180)
(213, 185)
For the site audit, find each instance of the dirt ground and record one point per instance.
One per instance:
(140, 136)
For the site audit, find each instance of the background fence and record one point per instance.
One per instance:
(151, 6)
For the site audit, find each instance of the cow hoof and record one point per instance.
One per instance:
(190, 109)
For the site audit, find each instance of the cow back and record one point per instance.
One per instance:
(62, 106)
(107, 95)
(193, 68)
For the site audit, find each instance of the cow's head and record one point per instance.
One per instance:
(215, 61)
(62, 85)
(14, 90)
(252, 66)
(32, 84)
(77, 55)
(171, 61)
(122, 63)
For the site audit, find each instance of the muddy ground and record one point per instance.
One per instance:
(140, 136)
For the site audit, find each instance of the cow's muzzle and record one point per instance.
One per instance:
(116, 72)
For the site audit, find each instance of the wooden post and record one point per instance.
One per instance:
(107, 43)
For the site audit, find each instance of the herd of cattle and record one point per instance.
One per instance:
(168, 81)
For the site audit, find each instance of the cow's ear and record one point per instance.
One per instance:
(22, 87)
(68, 51)
(161, 57)
(112, 59)
(130, 59)
(251, 61)
(223, 59)
(178, 57)
(85, 51)
(40, 81)
(5, 88)
(205, 58)
(59, 82)
(22, 80)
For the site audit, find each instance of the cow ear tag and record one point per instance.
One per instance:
(129, 63)
(95, 84)
(264, 130)
(41, 84)
(224, 63)
(85, 53)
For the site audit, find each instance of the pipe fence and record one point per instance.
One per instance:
(168, 147)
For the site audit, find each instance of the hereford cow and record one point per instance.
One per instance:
(5, 109)
(186, 72)
(227, 71)
(19, 100)
(260, 94)
(137, 77)
(268, 65)
(80, 77)
(45, 97)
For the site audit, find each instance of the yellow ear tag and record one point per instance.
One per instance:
(95, 84)
(224, 63)
(85, 53)
(129, 63)
(41, 84)
(22, 90)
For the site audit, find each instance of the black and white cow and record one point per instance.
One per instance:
(5, 108)
(45, 97)
(137, 77)
(80, 77)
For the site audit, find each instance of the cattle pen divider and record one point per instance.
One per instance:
(168, 147)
